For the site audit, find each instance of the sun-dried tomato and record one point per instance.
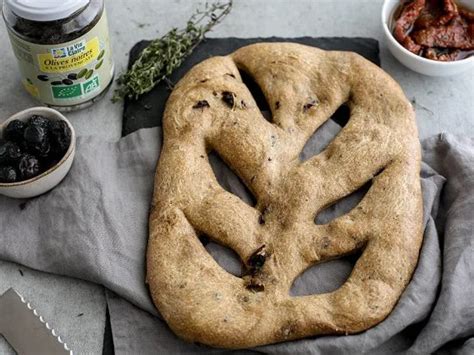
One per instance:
(455, 35)
(436, 29)
(405, 23)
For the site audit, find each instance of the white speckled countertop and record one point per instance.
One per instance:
(77, 308)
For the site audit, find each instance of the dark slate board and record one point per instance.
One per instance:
(147, 111)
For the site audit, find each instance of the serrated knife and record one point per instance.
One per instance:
(26, 331)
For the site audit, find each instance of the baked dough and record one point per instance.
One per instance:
(211, 109)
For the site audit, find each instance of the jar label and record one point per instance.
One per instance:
(71, 57)
(70, 73)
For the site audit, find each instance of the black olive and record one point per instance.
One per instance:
(60, 138)
(261, 218)
(40, 149)
(48, 162)
(310, 104)
(228, 98)
(8, 174)
(29, 166)
(37, 139)
(14, 131)
(257, 259)
(10, 152)
(67, 82)
(43, 77)
(56, 83)
(38, 120)
(53, 32)
(201, 104)
(34, 134)
(255, 286)
(72, 76)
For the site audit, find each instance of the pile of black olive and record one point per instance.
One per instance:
(27, 149)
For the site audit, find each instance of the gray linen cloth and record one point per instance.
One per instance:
(93, 226)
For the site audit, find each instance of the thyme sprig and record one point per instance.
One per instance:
(163, 55)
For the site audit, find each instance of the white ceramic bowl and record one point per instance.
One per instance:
(51, 177)
(415, 62)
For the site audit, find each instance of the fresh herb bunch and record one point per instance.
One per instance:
(163, 55)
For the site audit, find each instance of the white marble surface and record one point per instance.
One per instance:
(442, 105)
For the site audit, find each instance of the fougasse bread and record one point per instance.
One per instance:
(211, 109)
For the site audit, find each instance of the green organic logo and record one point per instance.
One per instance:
(67, 92)
(91, 85)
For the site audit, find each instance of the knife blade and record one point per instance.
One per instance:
(27, 331)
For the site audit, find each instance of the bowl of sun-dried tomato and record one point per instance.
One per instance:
(431, 37)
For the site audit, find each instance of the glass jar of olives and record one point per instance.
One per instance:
(62, 48)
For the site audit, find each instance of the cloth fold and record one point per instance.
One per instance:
(94, 226)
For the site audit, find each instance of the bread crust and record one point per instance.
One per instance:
(304, 86)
